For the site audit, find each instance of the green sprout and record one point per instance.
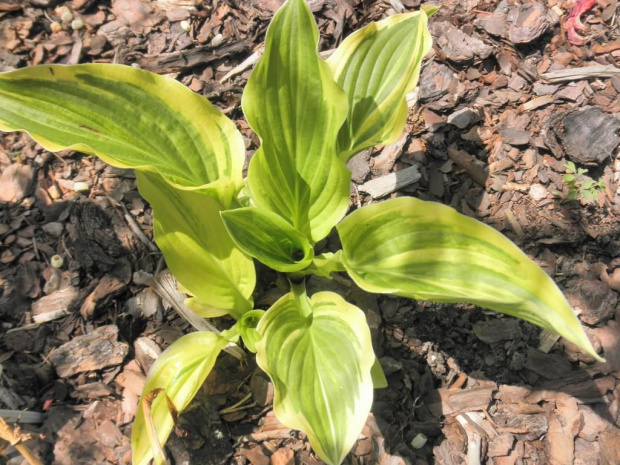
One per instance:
(580, 185)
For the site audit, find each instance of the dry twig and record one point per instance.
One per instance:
(15, 438)
(166, 287)
(584, 72)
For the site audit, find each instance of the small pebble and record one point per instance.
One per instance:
(53, 229)
(217, 40)
(419, 441)
(463, 118)
(57, 261)
(77, 24)
(66, 16)
(390, 365)
(538, 192)
(185, 25)
(81, 186)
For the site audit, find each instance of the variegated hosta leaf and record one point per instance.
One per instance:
(376, 66)
(267, 237)
(198, 250)
(319, 355)
(429, 251)
(295, 106)
(128, 117)
(180, 371)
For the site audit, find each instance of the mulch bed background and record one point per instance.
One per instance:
(493, 122)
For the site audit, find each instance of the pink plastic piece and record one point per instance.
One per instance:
(573, 24)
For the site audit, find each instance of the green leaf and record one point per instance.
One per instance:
(587, 183)
(379, 380)
(570, 167)
(318, 353)
(198, 250)
(376, 66)
(247, 328)
(428, 251)
(589, 195)
(180, 371)
(429, 9)
(296, 108)
(201, 308)
(325, 264)
(268, 238)
(129, 118)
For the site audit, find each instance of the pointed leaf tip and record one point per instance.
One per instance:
(429, 251)
(377, 66)
(293, 103)
(176, 376)
(320, 365)
(430, 9)
(128, 117)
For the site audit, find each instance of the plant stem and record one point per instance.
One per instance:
(15, 439)
(238, 406)
(298, 289)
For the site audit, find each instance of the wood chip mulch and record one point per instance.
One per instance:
(504, 102)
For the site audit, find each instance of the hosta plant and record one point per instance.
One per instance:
(211, 224)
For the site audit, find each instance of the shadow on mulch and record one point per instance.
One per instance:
(431, 344)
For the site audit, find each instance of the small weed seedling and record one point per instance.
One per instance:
(311, 117)
(580, 185)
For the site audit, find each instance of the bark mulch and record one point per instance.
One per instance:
(505, 101)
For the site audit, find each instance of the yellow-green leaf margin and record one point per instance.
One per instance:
(293, 103)
(128, 117)
(199, 251)
(319, 355)
(429, 251)
(376, 66)
(267, 237)
(180, 372)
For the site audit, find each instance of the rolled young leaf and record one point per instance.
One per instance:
(319, 355)
(198, 250)
(429, 251)
(268, 238)
(247, 328)
(180, 371)
(128, 117)
(296, 108)
(376, 66)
